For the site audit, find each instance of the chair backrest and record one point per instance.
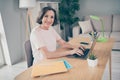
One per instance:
(28, 51)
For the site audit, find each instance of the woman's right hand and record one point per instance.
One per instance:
(76, 51)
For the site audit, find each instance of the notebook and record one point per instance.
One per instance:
(48, 68)
(86, 51)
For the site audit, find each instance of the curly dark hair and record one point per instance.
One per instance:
(44, 10)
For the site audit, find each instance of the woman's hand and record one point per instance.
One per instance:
(76, 51)
(81, 47)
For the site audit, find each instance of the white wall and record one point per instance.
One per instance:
(98, 7)
(14, 28)
(3, 44)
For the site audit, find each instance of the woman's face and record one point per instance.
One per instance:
(48, 19)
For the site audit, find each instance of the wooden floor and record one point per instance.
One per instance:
(9, 72)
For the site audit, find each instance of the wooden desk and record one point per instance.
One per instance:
(80, 70)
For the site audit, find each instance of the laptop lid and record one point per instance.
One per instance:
(93, 43)
(92, 47)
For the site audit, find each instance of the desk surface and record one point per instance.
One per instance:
(80, 70)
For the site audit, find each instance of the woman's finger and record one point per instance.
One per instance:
(82, 47)
(79, 52)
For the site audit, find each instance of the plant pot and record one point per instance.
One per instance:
(92, 63)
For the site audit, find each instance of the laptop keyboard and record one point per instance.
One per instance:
(86, 51)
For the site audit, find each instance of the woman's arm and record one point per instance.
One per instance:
(59, 53)
(65, 44)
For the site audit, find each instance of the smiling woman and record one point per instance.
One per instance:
(36, 11)
(44, 38)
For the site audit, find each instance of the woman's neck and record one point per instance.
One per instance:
(43, 27)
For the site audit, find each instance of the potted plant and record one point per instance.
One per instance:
(92, 60)
(67, 11)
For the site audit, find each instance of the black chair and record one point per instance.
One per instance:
(28, 51)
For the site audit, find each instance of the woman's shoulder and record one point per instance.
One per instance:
(36, 29)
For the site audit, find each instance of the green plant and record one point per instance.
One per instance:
(92, 56)
(67, 10)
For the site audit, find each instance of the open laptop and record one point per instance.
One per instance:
(86, 52)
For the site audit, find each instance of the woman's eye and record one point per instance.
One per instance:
(52, 17)
(49, 16)
(46, 15)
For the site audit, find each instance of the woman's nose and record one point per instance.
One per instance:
(48, 19)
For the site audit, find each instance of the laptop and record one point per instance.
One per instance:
(86, 52)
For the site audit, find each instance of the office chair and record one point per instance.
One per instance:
(28, 51)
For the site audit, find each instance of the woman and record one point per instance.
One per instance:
(44, 38)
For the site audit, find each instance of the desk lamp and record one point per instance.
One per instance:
(101, 39)
(26, 4)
